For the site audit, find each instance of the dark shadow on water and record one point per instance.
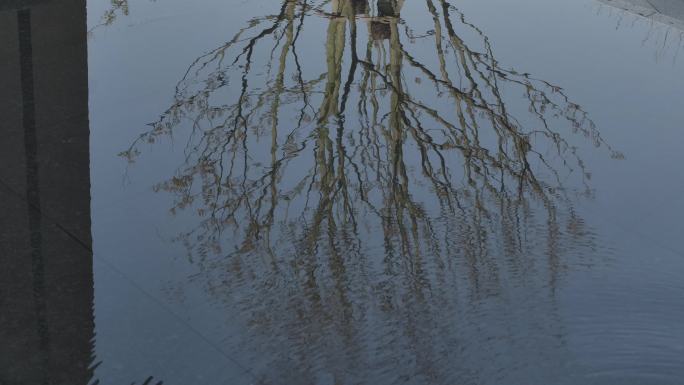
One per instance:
(47, 331)
(46, 285)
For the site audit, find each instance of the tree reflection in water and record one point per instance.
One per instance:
(378, 219)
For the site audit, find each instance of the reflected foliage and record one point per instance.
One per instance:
(117, 8)
(351, 196)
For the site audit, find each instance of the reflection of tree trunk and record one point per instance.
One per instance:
(387, 10)
(275, 109)
(334, 50)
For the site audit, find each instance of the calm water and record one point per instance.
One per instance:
(481, 192)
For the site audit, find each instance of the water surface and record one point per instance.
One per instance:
(386, 192)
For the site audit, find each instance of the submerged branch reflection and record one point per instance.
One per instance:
(351, 198)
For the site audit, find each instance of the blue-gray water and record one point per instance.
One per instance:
(336, 192)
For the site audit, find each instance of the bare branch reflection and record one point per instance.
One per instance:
(117, 8)
(353, 197)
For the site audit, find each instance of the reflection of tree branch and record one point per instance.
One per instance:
(442, 172)
(480, 70)
(118, 7)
